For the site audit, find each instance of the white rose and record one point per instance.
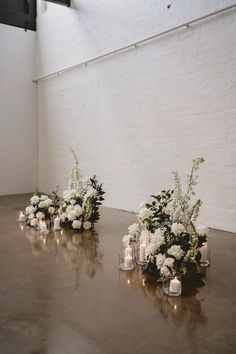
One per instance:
(78, 210)
(176, 251)
(69, 208)
(40, 215)
(202, 230)
(177, 229)
(34, 200)
(72, 201)
(133, 229)
(34, 222)
(91, 193)
(87, 225)
(71, 215)
(42, 204)
(51, 210)
(30, 209)
(165, 271)
(145, 213)
(169, 262)
(47, 202)
(44, 197)
(160, 259)
(63, 217)
(76, 224)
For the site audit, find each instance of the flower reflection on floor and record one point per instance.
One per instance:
(185, 311)
(79, 250)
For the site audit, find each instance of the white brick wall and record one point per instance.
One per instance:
(137, 116)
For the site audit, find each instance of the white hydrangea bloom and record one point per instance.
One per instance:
(202, 230)
(71, 215)
(42, 204)
(69, 194)
(78, 210)
(44, 197)
(31, 216)
(47, 202)
(176, 251)
(76, 224)
(150, 249)
(69, 208)
(177, 229)
(91, 193)
(158, 237)
(169, 262)
(72, 201)
(160, 259)
(34, 200)
(63, 217)
(30, 209)
(87, 225)
(145, 213)
(145, 236)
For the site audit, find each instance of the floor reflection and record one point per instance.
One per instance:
(185, 310)
(79, 250)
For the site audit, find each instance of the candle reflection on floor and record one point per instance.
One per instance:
(79, 250)
(185, 310)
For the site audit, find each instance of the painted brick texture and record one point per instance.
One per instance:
(137, 116)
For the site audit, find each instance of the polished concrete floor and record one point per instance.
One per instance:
(66, 295)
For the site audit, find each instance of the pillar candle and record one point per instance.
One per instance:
(128, 251)
(128, 261)
(203, 251)
(56, 224)
(142, 249)
(43, 226)
(175, 286)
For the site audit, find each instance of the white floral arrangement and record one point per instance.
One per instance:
(42, 207)
(170, 229)
(82, 200)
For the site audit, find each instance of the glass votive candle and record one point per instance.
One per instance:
(205, 254)
(56, 223)
(126, 260)
(20, 217)
(172, 286)
(43, 228)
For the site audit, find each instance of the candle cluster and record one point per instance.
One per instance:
(40, 223)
